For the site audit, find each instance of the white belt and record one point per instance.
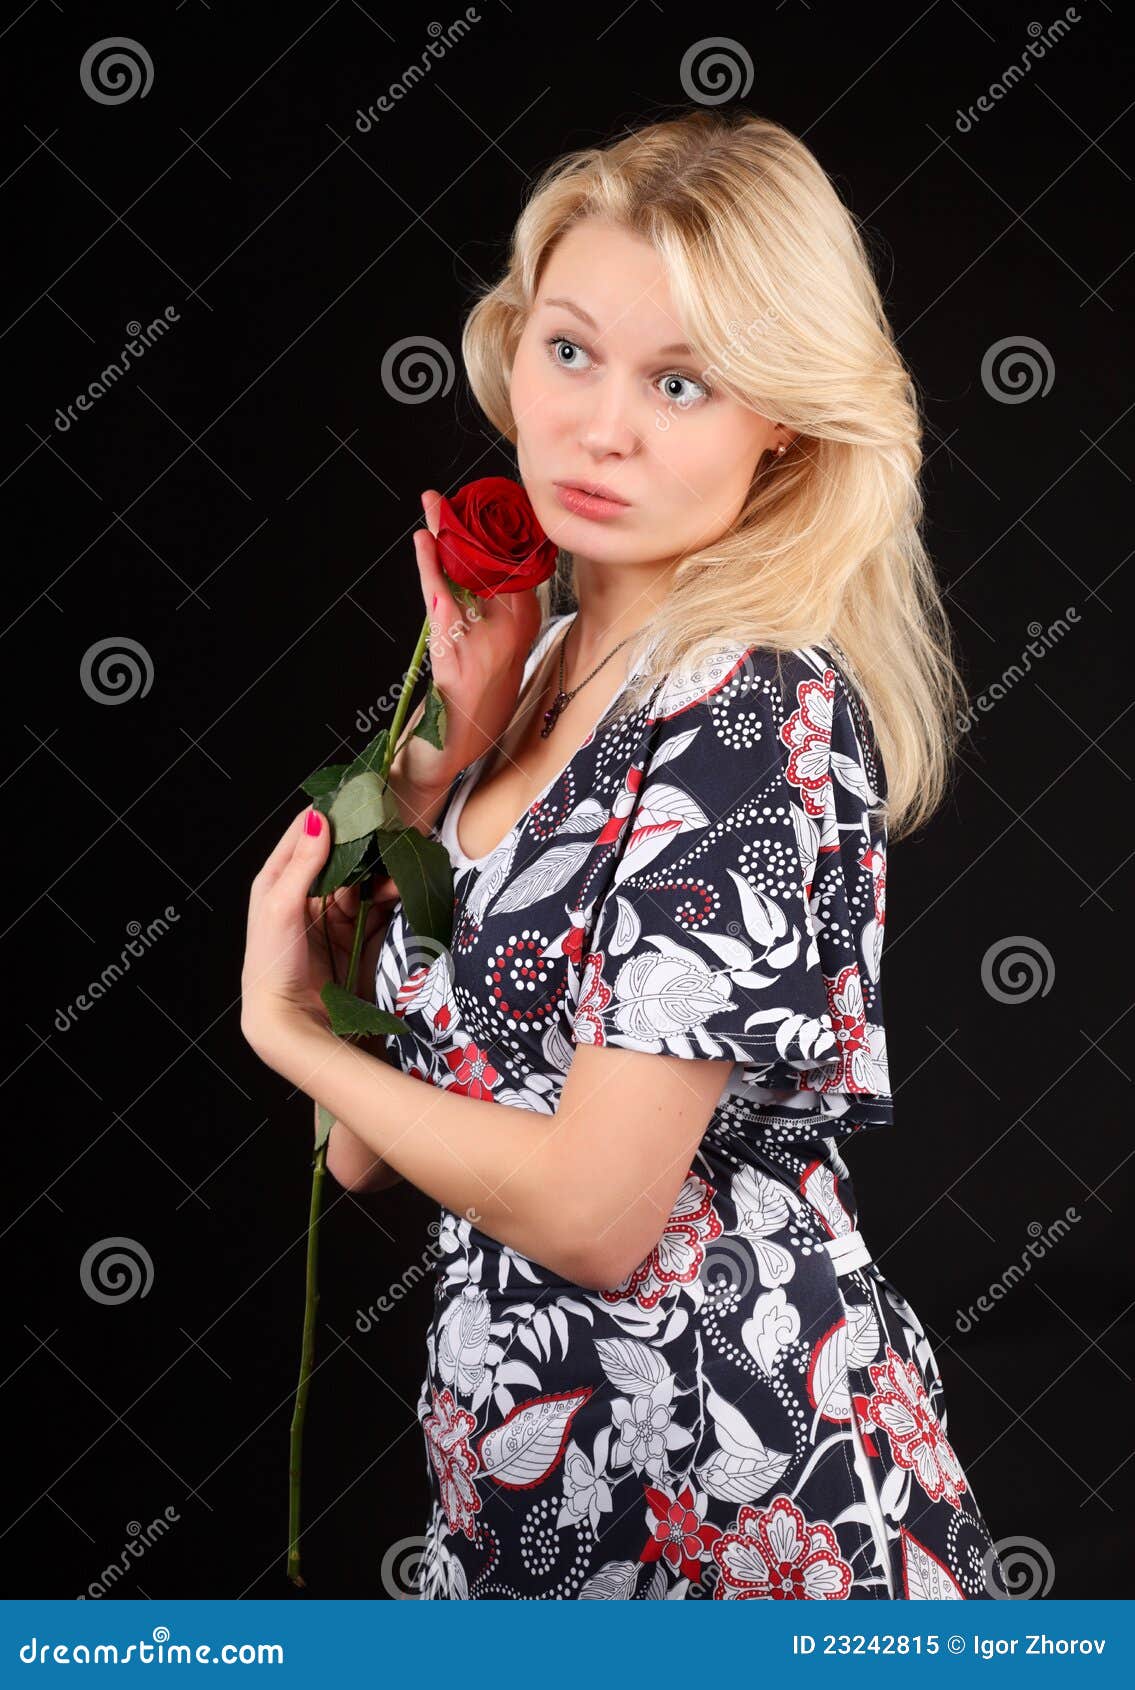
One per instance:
(848, 1251)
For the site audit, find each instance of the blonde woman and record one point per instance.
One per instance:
(662, 1361)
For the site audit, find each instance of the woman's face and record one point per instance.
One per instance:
(612, 402)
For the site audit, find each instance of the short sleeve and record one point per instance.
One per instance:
(705, 942)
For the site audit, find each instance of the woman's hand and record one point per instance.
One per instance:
(342, 914)
(477, 670)
(285, 956)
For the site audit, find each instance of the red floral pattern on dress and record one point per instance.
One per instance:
(677, 1257)
(447, 1439)
(808, 734)
(774, 1554)
(594, 996)
(874, 861)
(849, 1021)
(679, 1534)
(901, 1408)
(472, 1071)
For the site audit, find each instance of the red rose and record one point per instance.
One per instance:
(489, 541)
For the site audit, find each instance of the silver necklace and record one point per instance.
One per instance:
(563, 699)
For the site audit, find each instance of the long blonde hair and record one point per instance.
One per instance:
(773, 285)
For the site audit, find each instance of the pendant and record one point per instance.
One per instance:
(552, 716)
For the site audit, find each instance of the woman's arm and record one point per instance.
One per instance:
(587, 1191)
(352, 1164)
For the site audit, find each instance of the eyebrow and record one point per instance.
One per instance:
(678, 349)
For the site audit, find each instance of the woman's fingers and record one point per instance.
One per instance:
(446, 613)
(281, 854)
(429, 574)
(431, 504)
(440, 606)
(343, 909)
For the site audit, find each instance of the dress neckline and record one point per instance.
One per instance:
(472, 774)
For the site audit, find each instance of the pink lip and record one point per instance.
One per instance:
(589, 500)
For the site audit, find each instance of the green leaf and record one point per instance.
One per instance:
(326, 781)
(339, 867)
(369, 759)
(361, 805)
(424, 876)
(323, 1131)
(432, 726)
(351, 1015)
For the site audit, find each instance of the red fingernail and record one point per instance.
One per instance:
(433, 606)
(314, 823)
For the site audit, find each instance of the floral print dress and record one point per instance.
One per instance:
(755, 1411)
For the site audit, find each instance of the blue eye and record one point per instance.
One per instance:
(683, 401)
(562, 340)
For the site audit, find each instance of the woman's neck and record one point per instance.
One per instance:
(610, 612)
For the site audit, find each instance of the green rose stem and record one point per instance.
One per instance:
(319, 1166)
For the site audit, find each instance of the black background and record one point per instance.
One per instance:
(240, 505)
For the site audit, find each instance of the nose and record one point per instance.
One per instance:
(609, 424)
